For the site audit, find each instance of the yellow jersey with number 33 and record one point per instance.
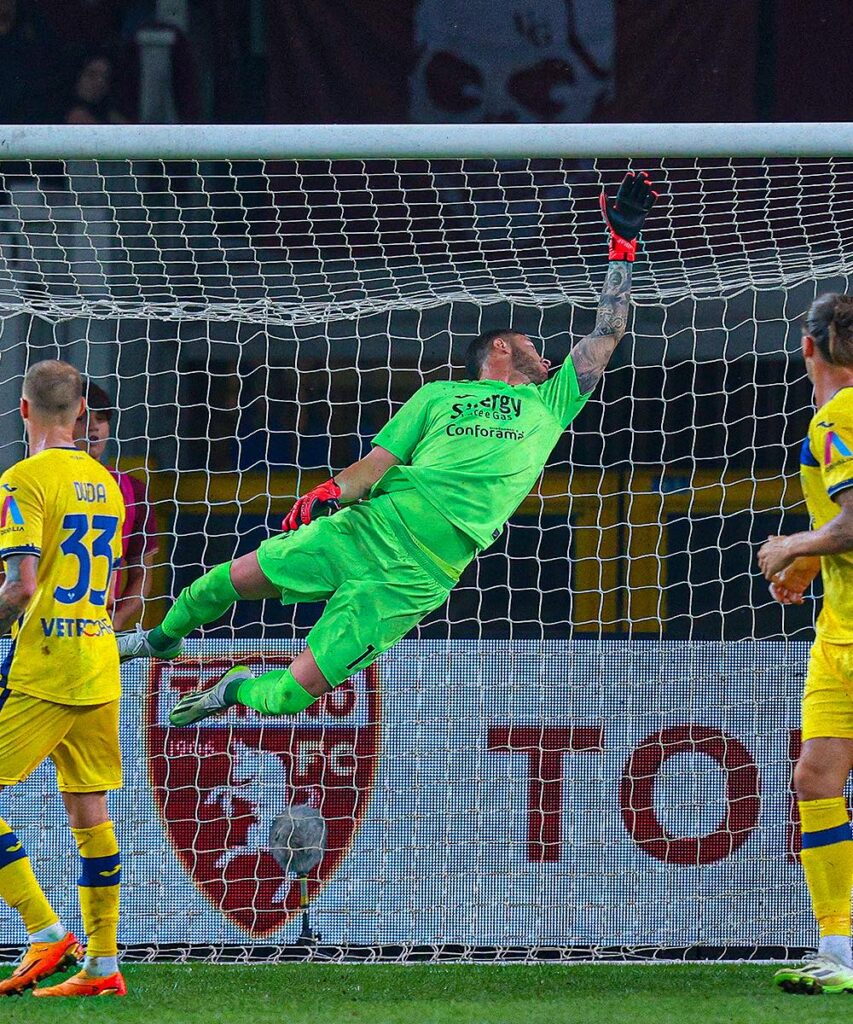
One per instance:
(66, 508)
(826, 469)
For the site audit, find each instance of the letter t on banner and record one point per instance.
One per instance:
(545, 747)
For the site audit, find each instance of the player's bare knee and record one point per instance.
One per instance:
(86, 810)
(248, 579)
(307, 673)
(812, 780)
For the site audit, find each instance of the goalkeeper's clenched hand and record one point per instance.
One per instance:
(625, 217)
(323, 500)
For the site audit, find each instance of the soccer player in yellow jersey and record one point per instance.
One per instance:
(790, 564)
(61, 516)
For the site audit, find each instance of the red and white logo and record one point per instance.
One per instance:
(219, 785)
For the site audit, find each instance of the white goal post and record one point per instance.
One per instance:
(587, 752)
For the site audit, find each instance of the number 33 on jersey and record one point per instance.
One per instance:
(66, 508)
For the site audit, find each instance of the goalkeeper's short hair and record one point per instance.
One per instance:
(480, 347)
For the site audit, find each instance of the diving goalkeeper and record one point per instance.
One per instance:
(444, 475)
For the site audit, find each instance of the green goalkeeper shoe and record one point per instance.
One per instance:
(136, 644)
(818, 973)
(212, 701)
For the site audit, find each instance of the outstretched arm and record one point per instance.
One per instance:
(591, 354)
(624, 218)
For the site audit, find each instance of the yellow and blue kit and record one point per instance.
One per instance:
(826, 469)
(59, 684)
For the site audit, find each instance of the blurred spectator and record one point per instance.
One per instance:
(93, 101)
(29, 69)
(139, 536)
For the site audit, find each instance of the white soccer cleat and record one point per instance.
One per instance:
(818, 973)
(135, 644)
(213, 701)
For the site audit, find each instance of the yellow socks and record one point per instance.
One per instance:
(827, 859)
(98, 887)
(100, 874)
(18, 885)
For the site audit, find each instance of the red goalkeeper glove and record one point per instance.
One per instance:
(625, 217)
(322, 501)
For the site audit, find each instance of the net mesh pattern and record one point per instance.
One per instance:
(486, 791)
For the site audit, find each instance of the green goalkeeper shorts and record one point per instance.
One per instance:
(376, 581)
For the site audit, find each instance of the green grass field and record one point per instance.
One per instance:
(482, 994)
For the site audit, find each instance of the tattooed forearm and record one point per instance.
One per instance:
(17, 589)
(612, 315)
(592, 354)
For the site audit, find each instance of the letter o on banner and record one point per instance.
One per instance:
(743, 798)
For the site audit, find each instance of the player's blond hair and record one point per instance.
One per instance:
(830, 322)
(54, 389)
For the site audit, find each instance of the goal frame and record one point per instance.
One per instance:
(494, 142)
(434, 141)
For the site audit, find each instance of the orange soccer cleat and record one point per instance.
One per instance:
(83, 984)
(40, 961)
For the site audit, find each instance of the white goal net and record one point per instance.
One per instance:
(588, 750)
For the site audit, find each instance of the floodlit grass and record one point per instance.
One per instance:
(452, 994)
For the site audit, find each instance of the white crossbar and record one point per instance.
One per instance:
(126, 142)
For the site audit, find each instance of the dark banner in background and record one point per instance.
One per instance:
(558, 60)
(679, 61)
(440, 60)
(345, 61)
(811, 77)
(528, 60)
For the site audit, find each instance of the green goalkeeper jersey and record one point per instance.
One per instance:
(474, 449)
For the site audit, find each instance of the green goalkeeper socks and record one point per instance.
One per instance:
(203, 601)
(273, 693)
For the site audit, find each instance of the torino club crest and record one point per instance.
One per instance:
(219, 786)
